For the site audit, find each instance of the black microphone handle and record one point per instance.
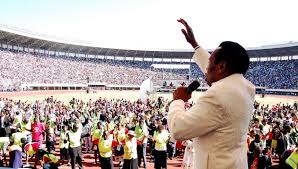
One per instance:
(193, 86)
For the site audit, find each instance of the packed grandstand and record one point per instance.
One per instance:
(31, 59)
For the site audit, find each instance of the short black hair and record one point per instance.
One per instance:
(234, 55)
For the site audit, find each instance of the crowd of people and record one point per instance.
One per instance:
(126, 132)
(108, 128)
(273, 134)
(22, 68)
(274, 74)
(19, 68)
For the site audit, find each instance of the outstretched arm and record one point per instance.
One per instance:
(201, 56)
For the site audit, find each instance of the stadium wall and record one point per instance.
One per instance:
(91, 87)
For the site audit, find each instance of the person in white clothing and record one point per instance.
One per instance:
(188, 155)
(219, 120)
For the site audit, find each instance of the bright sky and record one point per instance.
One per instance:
(151, 24)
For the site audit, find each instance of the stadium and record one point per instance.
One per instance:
(273, 67)
(31, 70)
(60, 83)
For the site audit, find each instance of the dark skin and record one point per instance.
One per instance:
(215, 71)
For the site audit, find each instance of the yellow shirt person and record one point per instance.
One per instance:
(130, 147)
(105, 145)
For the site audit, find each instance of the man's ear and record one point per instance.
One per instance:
(222, 67)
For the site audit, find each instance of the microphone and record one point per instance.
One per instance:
(193, 86)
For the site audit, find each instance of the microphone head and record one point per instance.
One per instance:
(193, 86)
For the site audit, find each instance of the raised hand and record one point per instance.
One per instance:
(188, 33)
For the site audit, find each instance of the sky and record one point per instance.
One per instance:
(151, 24)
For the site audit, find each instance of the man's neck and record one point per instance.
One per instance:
(223, 76)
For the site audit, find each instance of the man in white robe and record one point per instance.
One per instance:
(219, 120)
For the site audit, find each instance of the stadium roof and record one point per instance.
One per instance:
(22, 38)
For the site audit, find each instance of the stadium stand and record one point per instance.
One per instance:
(18, 68)
(32, 58)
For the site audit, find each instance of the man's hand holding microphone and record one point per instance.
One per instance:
(184, 93)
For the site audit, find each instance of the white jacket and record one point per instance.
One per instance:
(218, 122)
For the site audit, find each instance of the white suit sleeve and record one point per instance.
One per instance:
(201, 57)
(204, 117)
